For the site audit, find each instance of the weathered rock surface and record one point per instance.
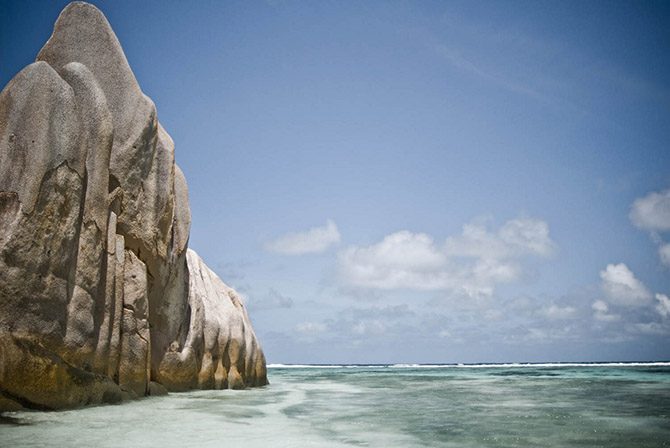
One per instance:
(100, 299)
(220, 339)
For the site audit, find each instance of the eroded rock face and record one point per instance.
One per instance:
(220, 338)
(100, 299)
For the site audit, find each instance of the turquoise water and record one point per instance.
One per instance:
(383, 406)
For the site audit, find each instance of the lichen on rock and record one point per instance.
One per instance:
(100, 297)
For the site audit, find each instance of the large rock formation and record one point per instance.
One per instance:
(100, 299)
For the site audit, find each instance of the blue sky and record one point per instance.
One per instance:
(416, 181)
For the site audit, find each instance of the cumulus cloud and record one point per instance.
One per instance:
(556, 312)
(391, 312)
(652, 212)
(311, 328)
(369, 327)
(663, 306)
(444, 334)
(400, 260)
(314, 240)
(664, 254)
(638, 311)
(601, 312)
(622, 288)
(648, 328)
(599, 306)
(472, 263)
(366, 322)
(515, 238)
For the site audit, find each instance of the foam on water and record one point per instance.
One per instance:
(513, 405)
(326, 366)
(471, 366)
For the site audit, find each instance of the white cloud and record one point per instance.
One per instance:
(403, 249)
(652, 212)
(622, 288)
(400, 260)
(648, 328)
(601, 312)
(664, 254)
(310, 328)
(444, 334)
(369, 327)
(472, 263)
(314, 240)
(556, 312)
(663, 306)
(599, 306)
(516, 238)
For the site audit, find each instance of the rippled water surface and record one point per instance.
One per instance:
(383, 406)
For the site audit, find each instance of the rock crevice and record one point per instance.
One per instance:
(100, 298)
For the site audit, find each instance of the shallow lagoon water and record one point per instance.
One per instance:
(550, 405)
